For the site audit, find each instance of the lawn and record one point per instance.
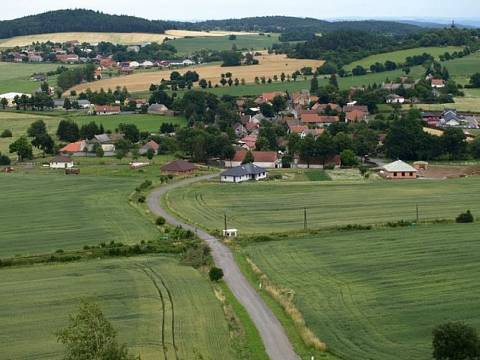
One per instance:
(376, 294)
(36, 302)
(256, 42)
(278, 206)
(15, 77)
(50, 212)
(401, 55)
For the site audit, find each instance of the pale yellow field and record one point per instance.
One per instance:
(269, 66)
(116, 38)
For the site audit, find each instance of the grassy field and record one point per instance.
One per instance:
(116, 38)
(278, 206)
(401, 55)
(50, 212)
(19, 122)
(36, 302)
(374, 295)
(269, 66)
(16, 77)
(256, 42)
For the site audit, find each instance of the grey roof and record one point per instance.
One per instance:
(242, 170)
(399, 166)
(103, 138)
(83, 102)
(59, 102)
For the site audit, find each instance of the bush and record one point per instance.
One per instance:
(141, 199)
(348, 158)
(4, 160)
(455, 341)
(197, 256)
(6, 134)
(215, 274)
(329, 167)
(464, 218)
(160, 221)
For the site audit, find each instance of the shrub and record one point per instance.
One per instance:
(348, 158)
(4, 159)
(329, 166)
(215, 274)
(464, 218)
(455, 341)
(196, 256)
(6, 134)
(141, 199)
(160, 221)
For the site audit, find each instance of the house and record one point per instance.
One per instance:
(84, 104)
(243, 173)
(159, 109)
(321, 108)
(67, 58)
(301, 98)
(398, 170)
(188, 62)
(395, 99)
(240, 130)
(353, 106)
(248, 142)
(107, 109)
(151, 145)
(334, 161)
(252, 127)
(58, 103)
(178, 167)
(134, 64)
(438, 83)
(356, 116)
(77, 148)
(11, 97)
(268, 97)
(266, 159)
(32, 57)
(147, 64)
(61, 162)
(316, 119)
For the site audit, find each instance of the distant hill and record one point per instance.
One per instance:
(93, 21)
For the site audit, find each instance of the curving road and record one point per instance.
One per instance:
(276, 342)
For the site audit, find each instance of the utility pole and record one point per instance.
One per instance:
(225, 220)
(417, 214)
(305, 219)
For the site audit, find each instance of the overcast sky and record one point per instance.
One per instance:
(221, 9)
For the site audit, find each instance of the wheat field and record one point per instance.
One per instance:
(269, 66)
(117, 38)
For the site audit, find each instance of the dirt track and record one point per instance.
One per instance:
(276, 342)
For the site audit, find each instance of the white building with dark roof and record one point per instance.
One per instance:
(243, 173)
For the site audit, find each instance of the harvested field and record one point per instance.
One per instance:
(269, 66)
(117, 38)
(449, 172)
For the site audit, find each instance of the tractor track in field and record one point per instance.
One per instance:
(275, 340)
(152, 275)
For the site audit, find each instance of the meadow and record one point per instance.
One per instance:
(19, 122)
(36, 302)
(400, 55)
(277, 206)
(116, 38)
(47, 212)
(15, 77)
(256, 42)
(373, 295)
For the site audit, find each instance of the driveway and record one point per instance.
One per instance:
(276, 342)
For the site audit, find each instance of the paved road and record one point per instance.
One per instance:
(274, 338)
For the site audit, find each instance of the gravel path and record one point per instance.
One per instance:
(276, 342)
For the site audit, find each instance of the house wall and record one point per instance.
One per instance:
(399, 175)
(61, 165)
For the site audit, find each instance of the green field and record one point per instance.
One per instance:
(461, 69)
(19, 122)
(36, 302)
(278, 206)
(401, 55)
(220, 43)
(374, 295)
(50, 212)
(15, 77)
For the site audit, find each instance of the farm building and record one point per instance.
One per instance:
(438, 83)
(149, 145)
(61, 162)
(398, 170)
(11, 97)
(243, 173)
(159, 109)
(334, 161)
(266, 159)
(74, 149)
(178, 167)
(107, 109)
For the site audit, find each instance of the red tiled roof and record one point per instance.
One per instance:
(438, 82)
(258, 156)
(251, 126)
(151, 145)
(298, 129)
(267, 97)
(107, 108)
(355, 115)
(73, 147)
(315, 118)
(178, 166)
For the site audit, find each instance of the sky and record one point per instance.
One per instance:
(222, 9)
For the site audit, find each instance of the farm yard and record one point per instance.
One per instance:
(51, 212)
(36, 302)
(278, 205)
(269, 66)
(116, 38)
(377, 294)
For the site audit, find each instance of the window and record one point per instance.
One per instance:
(394, 174)
(403, 174)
